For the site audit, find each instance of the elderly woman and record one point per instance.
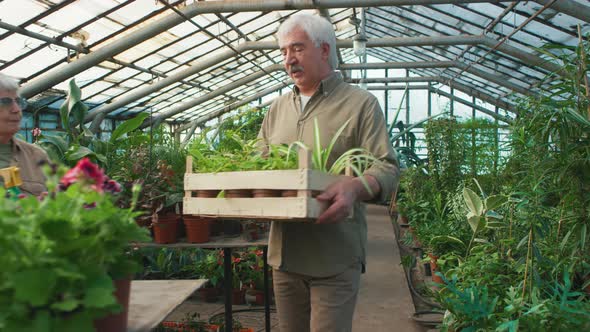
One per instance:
(13, 151)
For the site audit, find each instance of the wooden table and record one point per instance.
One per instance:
(227, 244)
(152, 300)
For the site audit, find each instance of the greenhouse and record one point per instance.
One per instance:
(303, 165)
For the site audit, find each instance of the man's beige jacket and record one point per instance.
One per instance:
(326, 250)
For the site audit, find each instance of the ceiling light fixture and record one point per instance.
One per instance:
(359, 44)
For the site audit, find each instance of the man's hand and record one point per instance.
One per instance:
(341, 197)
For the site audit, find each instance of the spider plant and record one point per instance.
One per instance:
(358, 159)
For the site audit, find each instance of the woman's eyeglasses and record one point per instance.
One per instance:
(7, 101)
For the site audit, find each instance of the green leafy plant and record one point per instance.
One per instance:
(211, 267)
(77, 141)
(481, 213)
(59, 255)
(171, 263)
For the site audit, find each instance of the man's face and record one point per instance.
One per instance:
(305, 63)
(10, 114)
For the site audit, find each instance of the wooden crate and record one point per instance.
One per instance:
(302, 207)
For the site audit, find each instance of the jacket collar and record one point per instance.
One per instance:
(327, 85)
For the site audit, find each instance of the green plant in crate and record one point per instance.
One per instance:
(357, 159)
(238, 154)
(59, 255)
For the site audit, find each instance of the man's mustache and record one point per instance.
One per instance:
(295, 68)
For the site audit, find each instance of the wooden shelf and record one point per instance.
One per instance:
(216, 242)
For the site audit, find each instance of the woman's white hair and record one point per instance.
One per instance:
(317, 28)
(8, 83)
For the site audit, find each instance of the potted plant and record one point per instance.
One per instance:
(211, 268)
(60, 255)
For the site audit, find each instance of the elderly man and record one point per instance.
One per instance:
(317, 267)
(14, 152)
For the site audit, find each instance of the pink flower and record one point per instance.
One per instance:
(111, 186)
(87, 173)
(36, 132)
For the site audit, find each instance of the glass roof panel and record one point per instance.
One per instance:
(183, 45)
(74, 14)
(23, 10)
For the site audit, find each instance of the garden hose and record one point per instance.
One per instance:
(417, 314)
(417, 317)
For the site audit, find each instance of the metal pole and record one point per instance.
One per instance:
(227, 276)
(386, 100)
(397, 87)
(215, 113)
(208, 96)
(195, 68)
(399, 65)
(395, 79)
(61, 74)
(467, 103)
(569, 7)
(483, 96)
(266, 289)
(452, 98)
(429, 99)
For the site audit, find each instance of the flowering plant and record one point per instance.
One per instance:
(211, 267)
(248, 268)
(60, 254)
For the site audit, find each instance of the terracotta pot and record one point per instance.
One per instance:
(117, 322)
(232, 227)
(238, 193)
(197, 229)
(266, 193)
(289, 193)
(215, 227)
(208, 294)
(434, 268)
(207, 193)
(255, 296)
(403, 219)
(293, 193)
(165, 230)
(238, 296)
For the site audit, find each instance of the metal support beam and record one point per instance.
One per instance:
(398, 65)
(216, 113)
(569, 7)
(438, 64)
(204, 63)
(398, 87)
(324, 12)
(194, 102)
(378, 42)
(61, 74)
(395, 79)
(476, 93)
(528, 58)
(196, 67)
(501, 81)
(472, 105)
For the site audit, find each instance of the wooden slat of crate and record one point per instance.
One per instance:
(297, 179)
(287, 208)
